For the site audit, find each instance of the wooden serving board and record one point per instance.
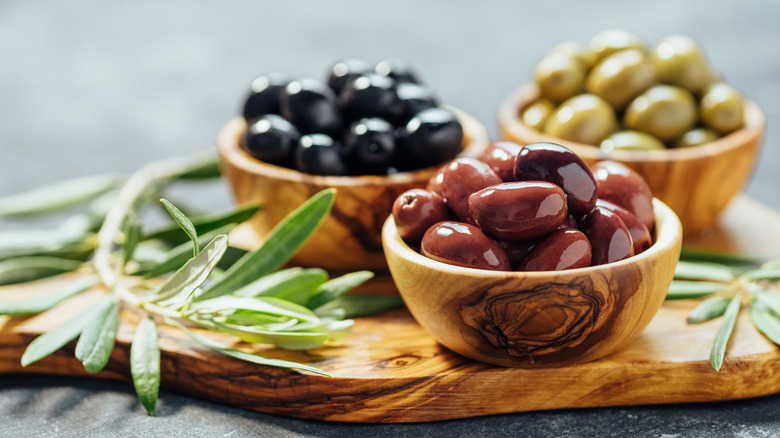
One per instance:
(390, 370)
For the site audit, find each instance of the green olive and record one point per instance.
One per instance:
(559, 77)
(631, 141)
(722, 108)
(585, 118)
(664, 111)
(610, 41)
(696, 137)
(577, 50)
(680, 61)
(621, 76)
(536, 114)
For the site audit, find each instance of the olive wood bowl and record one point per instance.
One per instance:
(350, 237)
(696, 182)
(537, 319)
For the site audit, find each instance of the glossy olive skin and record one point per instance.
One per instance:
(398, 70)
(500, 156)
(559, 76)
(369, 146)
(640, 235)
(435, 182)
(566, 248)
(585, 118)
(311, 107)
(664, 111)
(722, 108)
(416, 210)
(696, 137)
(319, 154)
(629, 140)
(463, 244)
(370, 95)
(679, 60)
(517, 251)
(518, 210)
(271, 139)
(432, 136)
(414, 98)
(576, 50)
(609, 238)
(462, 177)
(609, 41)
(622, 186)
(556, 164)
(343, 70)
(264, 94)
(620, 77)
(536, 114)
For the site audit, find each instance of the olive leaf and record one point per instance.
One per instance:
(205, 166)
(202, 225)
(683, 289)
(145, 363)
(98, 338)
(337, 287)
(686, 270)
(280, 244)
(174, 258)
(287, 340)
(765, 321)
(708, 309)
(357, 305)
(185, 224)
(132, 237)
(22, 269)
(43, 242)
(733, 260)
(58, 196)
(772, 274)
(295, 286)
(41, 303)
(264, 305)
(718, 351)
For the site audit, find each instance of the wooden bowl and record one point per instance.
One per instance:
(696, 182)
(537, 319)
(350, 237)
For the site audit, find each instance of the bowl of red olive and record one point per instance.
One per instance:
(372, 131)
(528, 257)
(662, 110)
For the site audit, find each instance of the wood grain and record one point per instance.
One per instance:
(696, 182)
(350, 238)
(391, 370)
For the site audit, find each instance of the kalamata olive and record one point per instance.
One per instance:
(518, 210)
(537, 113)
(576, 50)
(563, 249)
(620, 77)
(696, 137)
(680, 61)
(610, 41)
(640, 235)
(435, 182)
(559, 76)
(462, 244)
(664, 111)
(622, 186)
(609, 238)
(462, 177)
(631, 141)
(500, 156)
(585, 118)
(416, 210)
(722, 109)
(556, 164)
(516, 251)
(569, 222)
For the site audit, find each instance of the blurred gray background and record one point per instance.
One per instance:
(94, 86)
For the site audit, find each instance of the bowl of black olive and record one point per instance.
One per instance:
(371, 131)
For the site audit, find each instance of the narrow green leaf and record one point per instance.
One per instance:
(682, 289)
(132, 237)
(45, 302)
(91, 333)
(337, 287)
(297, 288)
(718, 351)
(101, 352)
(286, 340)
(58, 196)
(280, 244)
(185, 224)
(204, 224)
(708, 309)
(57, 337)
(772, 274)
(184, 282)
(248, 357)
(703, 271)
(265, 305)
(178, 256)
(49, 242)
(357, 305)
(203, 167)
(733, 260)
(767, 298)
(145, 363)
(22, 269)
(765, 321)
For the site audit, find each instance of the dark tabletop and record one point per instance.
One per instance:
(93, 86)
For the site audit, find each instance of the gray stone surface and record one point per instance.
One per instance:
(94, 86)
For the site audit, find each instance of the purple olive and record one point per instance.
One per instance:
(566, 248)
(518, 210)
(556, 164)
(609, 238)
(462, 177)
(462, 244)
(416, 210)
(622, 186)
(640, 235)
(500, 156)
(516, 251)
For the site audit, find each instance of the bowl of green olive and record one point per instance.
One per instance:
(662, 110)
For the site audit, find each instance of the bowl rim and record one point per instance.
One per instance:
(509, 122)
(475, 135)
(668, 230)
